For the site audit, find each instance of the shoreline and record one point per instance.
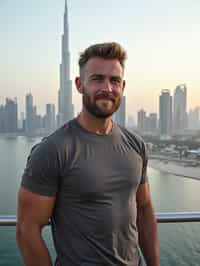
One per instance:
(175, 169)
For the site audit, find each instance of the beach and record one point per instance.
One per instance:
(175, 168)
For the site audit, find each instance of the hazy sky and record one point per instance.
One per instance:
(162, 39)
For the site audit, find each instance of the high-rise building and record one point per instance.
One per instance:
(2, 119)
(21, 121)
(141, 120)
(146, 123)
(151, 123)
(120, 115)
(65, 106)
(29, 122)
(11, 118)
(38, 123)
(165, 113)
(180, 109)
(194, 119)
(50, 118)
(130, 122)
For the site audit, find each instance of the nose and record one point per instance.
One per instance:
(107, 86)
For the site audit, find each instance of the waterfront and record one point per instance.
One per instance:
(180, 243)
(179, 169)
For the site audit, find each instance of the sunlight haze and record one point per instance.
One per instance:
(162, 40)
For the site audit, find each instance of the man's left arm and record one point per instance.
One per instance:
(147, 226)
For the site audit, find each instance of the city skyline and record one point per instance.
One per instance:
(170, 121)
(162, 43)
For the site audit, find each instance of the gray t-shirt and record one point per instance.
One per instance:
(94, 179)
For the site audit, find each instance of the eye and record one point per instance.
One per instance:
(97, 78)
(116, 80)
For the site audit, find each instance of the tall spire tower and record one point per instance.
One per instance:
(65, 106)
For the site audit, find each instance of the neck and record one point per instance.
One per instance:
(96, 125)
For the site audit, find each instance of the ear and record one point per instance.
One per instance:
(123, 85)
(78, 84)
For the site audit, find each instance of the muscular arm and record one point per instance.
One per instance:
(147, 226)
(33, 213)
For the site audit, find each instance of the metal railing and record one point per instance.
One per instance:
(162, 217)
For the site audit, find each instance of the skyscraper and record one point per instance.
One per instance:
(194, 119)
(65, 106)
(29, 124)
(2, 119)
(151, 123)
(50, 118)
(120, 115)
(165, 113)
(141, 119)
(180, 109)
(11, 117)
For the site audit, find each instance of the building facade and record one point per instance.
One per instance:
(180, 109)
(141, 120)
(65, 106)
(29, 121)
(165, 113)
(50, 118)
(120, 115)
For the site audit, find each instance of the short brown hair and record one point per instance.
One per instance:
(107, 50)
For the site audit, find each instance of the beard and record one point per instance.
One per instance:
(99, 111)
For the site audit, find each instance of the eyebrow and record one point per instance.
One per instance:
(102, 76)
(97, 76)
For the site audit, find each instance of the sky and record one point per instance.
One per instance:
(162, 39)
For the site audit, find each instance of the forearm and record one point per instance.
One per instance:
(33, 248)
(148, 238)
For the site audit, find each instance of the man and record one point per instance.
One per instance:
(89, 178)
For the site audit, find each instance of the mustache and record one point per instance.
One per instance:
(105, 95)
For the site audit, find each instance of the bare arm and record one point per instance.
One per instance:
(33, 213)
(147, 226)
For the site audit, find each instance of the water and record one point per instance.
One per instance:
(179, 243)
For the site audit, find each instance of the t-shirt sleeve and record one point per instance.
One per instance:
(144, 177)
(41, 174)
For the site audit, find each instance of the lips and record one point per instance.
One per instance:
(105, 97)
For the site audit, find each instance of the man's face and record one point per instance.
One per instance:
(101, 85)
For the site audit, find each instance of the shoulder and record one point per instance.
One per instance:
(46, 162)
(62, 138)
(55, 144)
(133, 139)
(62, 134)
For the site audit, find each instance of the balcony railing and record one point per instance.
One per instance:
(162, 217)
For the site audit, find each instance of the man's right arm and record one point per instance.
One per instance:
(33, 213)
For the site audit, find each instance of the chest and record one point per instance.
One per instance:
(102, 170)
